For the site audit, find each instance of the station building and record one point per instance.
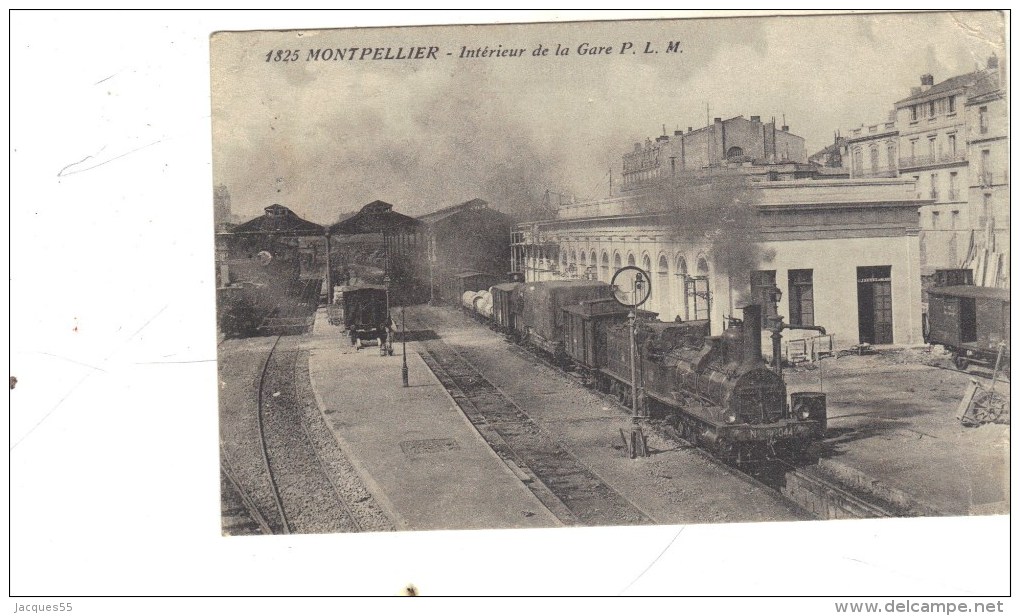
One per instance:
(844, 253)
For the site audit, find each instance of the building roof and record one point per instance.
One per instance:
(436, 216)
(376, 217)
(944, 87)
(971, 291)
(985, 90)
(279, 220)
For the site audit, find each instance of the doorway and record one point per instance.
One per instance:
(874, 304)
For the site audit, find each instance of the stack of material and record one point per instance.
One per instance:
(990, 266)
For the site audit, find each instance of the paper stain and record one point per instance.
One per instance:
(409, 591)
(14, 381)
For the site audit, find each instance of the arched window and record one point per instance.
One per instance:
(662, 289)
(682, 291)
(734, 152)
(584, 258)
(616, 261)
(606, 277)
(702, 292)
(630, 259)
(646, 265)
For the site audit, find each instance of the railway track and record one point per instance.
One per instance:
(240, 514)
(568, 488)
(308, 497)
(282, 526)
(281, 471)
(817, 493)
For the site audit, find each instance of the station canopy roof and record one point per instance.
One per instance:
(376, 217)
(279, 220)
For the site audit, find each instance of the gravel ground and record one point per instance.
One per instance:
(894, 416)
(367, 513)
(319, 489)
(240, 368)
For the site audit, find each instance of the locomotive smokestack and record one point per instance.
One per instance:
(752, 334)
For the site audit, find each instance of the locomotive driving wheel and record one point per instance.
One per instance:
(988, 406)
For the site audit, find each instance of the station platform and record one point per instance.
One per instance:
(419, 456)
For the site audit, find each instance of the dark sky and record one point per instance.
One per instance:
(329, 137)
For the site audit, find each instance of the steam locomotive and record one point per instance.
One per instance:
(716, 390)
(265, 293)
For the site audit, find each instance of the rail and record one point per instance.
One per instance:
(285, 526)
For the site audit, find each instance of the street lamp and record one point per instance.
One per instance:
(639, 285)
(386, 284)
(776, 325)
(403, 343)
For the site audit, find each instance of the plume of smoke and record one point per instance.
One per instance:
(718, 210)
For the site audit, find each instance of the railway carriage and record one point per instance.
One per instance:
(504, 314)
(361, 311)
(540, 318)
(470, 281)
(970, 322)
(585, 332)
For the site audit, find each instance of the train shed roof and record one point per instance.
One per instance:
(279, 220)
(376, 217)
(446, 212)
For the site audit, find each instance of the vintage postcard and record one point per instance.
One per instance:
(687, 271)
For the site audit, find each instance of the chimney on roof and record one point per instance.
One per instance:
(993, 62)
(717, 120)
(677, 133)
(690, 128)
(927, 81)
(785, 128)
(756, 119)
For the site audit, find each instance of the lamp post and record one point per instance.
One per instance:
(638, 293)
(632, 317)
(386, 284)
(776, 326)
(403, 343)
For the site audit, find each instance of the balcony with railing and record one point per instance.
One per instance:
(993, 178)
(932, 159)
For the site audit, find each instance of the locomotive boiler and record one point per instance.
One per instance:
(717, 389)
